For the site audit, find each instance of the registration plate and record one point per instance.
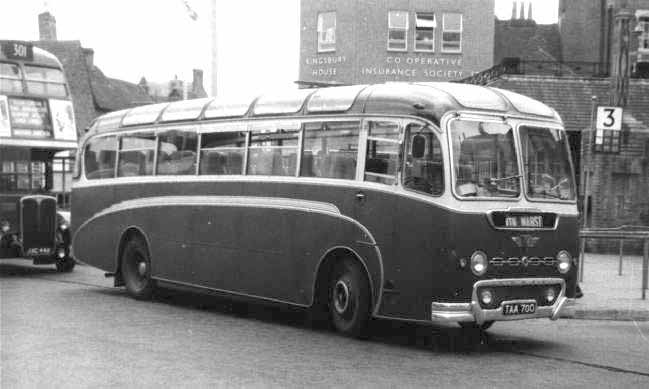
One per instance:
(39, 251)
(519, 308)
(535, 221)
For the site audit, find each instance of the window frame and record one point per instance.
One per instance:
(445, 30)
(643, 37)
(607, 141)
(82, 160)
(436, 135)
(321, 43)
(365, 138)
(432, 50)
(404, 29)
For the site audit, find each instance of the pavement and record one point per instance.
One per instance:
(608, 295)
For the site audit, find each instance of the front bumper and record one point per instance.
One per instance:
(473, 312)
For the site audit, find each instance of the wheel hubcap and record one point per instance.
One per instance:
(141, 268)
(341, 297)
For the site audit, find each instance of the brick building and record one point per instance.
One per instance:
(598, 49)
(370, 41)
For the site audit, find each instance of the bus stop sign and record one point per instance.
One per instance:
(609, 118)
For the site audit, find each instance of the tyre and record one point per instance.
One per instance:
(349, 298)
(65, 265)
(136, 269)
(473, 326)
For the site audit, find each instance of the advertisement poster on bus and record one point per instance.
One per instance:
(63, 120)
(5, 129)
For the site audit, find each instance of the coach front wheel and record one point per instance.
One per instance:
(136, 269)
(349, 298)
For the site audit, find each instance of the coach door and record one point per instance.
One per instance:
(375, 198)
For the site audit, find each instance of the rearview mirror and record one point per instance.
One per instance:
(418, 146)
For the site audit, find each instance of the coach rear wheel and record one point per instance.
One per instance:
(136, 269)
(349, 298)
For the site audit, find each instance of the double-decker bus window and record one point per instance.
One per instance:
(222, 153)
(273, 153)
(43, 80)
(136, 154)
(99, 157)
(424, 165)
(10, 78)
(177, 153)
(383, 146)
(330, 150)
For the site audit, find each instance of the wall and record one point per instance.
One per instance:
(361, 54)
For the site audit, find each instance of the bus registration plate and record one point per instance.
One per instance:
(519, 308)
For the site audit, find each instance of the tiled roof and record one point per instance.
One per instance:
(526, 40)
(571, 97)
(92, 92)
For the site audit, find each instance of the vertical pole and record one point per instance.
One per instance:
(586, 169)
(645, 267)
(619, 268)
(214, 43)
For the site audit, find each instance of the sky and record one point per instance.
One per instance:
(257, 40)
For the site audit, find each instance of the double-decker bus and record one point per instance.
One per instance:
(422, 202)
(36, 126)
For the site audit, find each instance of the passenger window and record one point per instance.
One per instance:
(424, 168)
(330, 150)
(383, 145)
(273, 152)
(99, 157)
(222, 153)
(136, 155)
(177, 153)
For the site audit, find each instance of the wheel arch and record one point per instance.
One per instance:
(325, 267)
(127, 234)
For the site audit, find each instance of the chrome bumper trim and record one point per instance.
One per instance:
(472, 312)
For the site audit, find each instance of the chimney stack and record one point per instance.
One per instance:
(529, 11)
(514, 10)
(521, 10)
(197, 84)
(47, 26)
(89, 54)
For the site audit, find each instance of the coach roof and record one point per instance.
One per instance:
(428, 100)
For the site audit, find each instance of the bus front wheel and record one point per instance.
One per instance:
(136, 269)
(349, 298)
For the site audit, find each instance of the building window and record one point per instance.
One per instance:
(607, 141)
(326, 32)
(452, 33)
(425, 25)
(643, 39)
(398, 30)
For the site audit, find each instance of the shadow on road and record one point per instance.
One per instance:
(436, 338)
(12, 270)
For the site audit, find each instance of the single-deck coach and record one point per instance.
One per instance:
(410, 201)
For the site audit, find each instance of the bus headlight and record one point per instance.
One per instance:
(5, 226)
(564, 261)
(479, 263)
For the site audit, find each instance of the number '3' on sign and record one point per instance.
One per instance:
(609, 118)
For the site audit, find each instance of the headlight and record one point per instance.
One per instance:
(479, 263)
(5, 227)
(564, 261)
(63, 226)
(487, 297)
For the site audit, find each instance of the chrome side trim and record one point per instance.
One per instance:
(254, 296)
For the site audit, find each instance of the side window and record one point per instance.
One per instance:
(136, 153)
(222, 153)
(424, 167)
(398, 30)
(452, 33)
(383, 146)
(273, 152)
(176, 153)
(326, 32)
(330, 150)
(99, 157)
